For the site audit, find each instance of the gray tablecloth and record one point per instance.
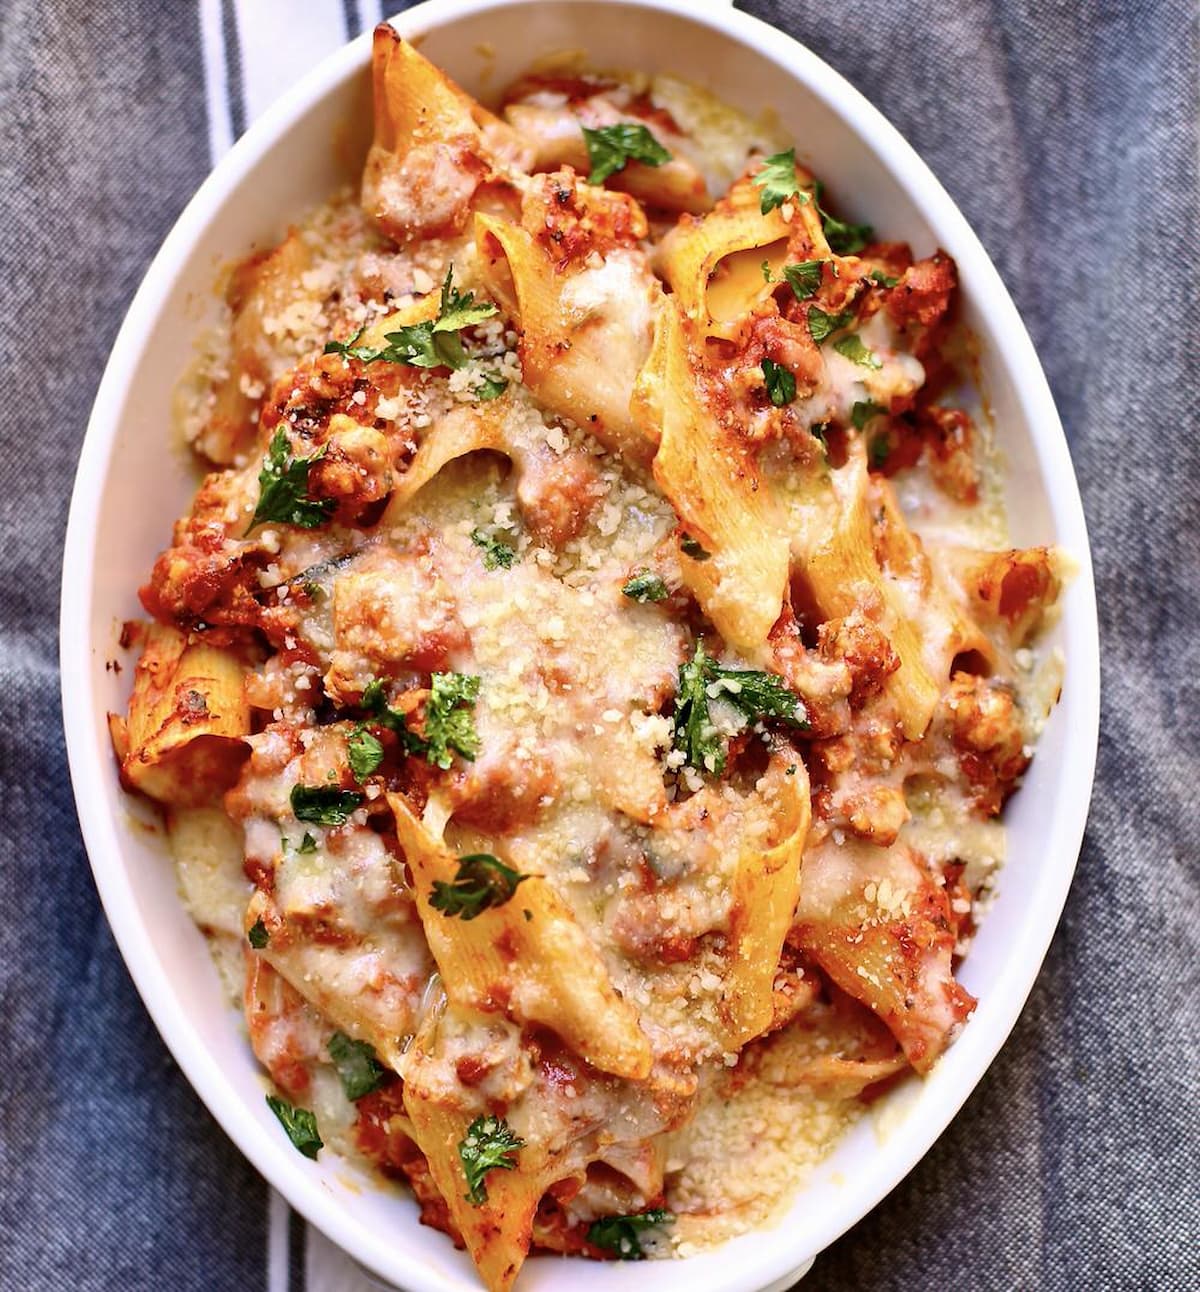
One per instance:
(1067, 133)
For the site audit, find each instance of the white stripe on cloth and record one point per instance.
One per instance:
(329, 1269)
(278, 41)
(277, 1243)
(370, 12)
(216, 81)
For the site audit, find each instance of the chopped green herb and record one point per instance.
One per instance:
(820, 431)
(350, 346)
(845, 239)
(878, 451)
(283, 488)
(701, 742)
(757, 696)
(300, 1124)
(781, 385)
(822, 325)
(413, 345)
(804, 277)
(489, 1145)
(692, 547)
(766, 272)
(491, 387)
(612, 148)
(619, 1234)
(374, 700)
(258, 937)
(880, 279)
(433, 343)
(482, 881)
(365, 752)
(458, 310)
(324, 804)
(358, 1067)
(777, 179)
(307, 844)
(853, 349)
(862, 412)
(645, 586)
(496, 555)
(449, 722)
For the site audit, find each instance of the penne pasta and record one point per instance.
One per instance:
(183, 740)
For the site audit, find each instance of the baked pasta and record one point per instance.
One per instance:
(584, 688)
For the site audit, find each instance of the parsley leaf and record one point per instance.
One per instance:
(374, 700)
(257, 936)
(352, 350)
(324, 804)
(768, 277)
(880, 279)
(862, 412)
(365, 752)
(458, 310)
(358, 1067)
(417, 346)
(757, 696)
(489, 1145)
(432, 343)
(307, 844)
(491, 387)
(412, 345)
(878, 451)
(853, 349)
(781, 385)
(496, 555)
(821, 325)
(777, 179)
(482, 881)
(449, 722)
(283, 488)
(300, 1124)
(612, 148)
(845, 239)
(619, 1234)
(349, 346)
(760, 696)
(644, 587)
(692, 547)
(702, 744)
(804, 277)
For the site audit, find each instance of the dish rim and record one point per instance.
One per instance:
(771, 1259)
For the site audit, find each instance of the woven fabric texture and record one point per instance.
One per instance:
(1068, 135)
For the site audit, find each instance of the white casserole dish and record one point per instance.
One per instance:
(134, 478)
